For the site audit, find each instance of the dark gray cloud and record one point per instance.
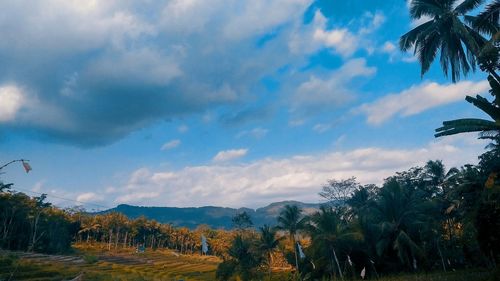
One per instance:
(246, 116)
(89, 73)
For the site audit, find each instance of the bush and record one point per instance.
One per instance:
(90, 259)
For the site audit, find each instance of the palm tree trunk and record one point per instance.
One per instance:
(110, 237)
(295, 252)
(494, 74)
(270, 263)
(338, 265)
(441, 255)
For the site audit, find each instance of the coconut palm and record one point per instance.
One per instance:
(445, 33)
(327, 231)
(291, 220)
(397, 211)
(243, 257)
(268, 243)
(488, 129)
(487, 21)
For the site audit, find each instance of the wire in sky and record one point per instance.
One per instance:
(62, 198)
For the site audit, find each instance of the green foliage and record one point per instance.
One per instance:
(444, 33)
(32, 224)
(90, 259)
(242, 221)
(225, 270)
(421, 219)
(291, 220)
(243, 262)
(467, 198)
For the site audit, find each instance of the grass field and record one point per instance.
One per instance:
(96, 264)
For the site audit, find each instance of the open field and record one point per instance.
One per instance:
(94, 264)
(97, 264)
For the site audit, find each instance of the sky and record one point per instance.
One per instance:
(225, 103)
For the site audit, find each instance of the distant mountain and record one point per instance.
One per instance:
(215, 217)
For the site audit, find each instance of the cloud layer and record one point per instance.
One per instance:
(231, 154)
(299, 177)
(419, 98)
(94, 72)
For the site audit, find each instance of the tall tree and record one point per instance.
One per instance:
(488, 129)
(268, 243)
(327, 231)
(445, 33)
(242, 221)
(397, 212)
(291, 220)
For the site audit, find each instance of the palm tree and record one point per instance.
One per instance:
(268, 243)
(459, 39)
(244, 259)
(446, 33)
(488, 129)
(327, 232)
(397, 211)
(290, 220)
(487, 21)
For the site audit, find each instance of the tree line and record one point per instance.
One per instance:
(425, 218)
(34, 225)
(422, 219)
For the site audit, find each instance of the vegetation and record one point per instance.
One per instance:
(420, 220)
(425, 219)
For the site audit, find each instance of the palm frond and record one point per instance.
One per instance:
(427, 50)
(467, 6)
(431, 8)
(487, 21)
(495, 89)
(409, 39)
(465, 125)
(486, 106)
(492, 134)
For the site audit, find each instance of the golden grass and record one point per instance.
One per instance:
(125, 264)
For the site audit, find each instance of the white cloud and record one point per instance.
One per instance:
(257, 133)
(227, 155)
(395, 54)
(298, 177)
(419, 98)
(146, 65)
(136, 197)
(375, 22)
(182, 129)
(258, 17)
(88, 62)
(37, 187)
(81, 26)
(342, 40)
(171, 144)
(389, 47)
(241, 19)
(11, 101)
(89, 197)
(322, 128)
(419, 21)
(409, 59)
(318, 94)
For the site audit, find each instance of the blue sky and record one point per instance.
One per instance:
(230, 103)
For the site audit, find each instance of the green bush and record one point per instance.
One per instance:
(90, 259)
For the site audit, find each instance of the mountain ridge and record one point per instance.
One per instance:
(213, 216)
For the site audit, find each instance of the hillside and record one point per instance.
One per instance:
(215, 217)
